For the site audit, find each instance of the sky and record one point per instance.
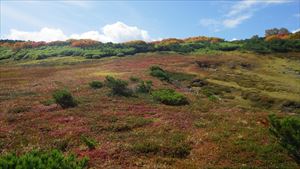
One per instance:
(120, 21)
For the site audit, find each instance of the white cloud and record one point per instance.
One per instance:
(120, 32)
(297, 15)
(242, 6)
(233, 39)
(239, 12)
(297, 30)
(45, 34)
(117, 32)
(233, 22)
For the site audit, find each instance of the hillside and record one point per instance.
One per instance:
(177, 103)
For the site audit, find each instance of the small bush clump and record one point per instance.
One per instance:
(158, 72)
(144, 87)
(169, 97)
(90, 143)
(64, 98)
(118, 86)
(40, 160)
(96, 84)
(134, 79)
(287, 131)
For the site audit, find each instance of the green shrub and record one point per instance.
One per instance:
(96, 84)
(169, 97)
(64, 98)
(41, 160)
(158, 72)
(287, 131)
(134, 79)
(144, 87)
(90, 143)
(118, 86)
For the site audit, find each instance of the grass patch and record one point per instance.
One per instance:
(170, 145)
(128, 124)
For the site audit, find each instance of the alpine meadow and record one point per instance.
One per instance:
(201, 88)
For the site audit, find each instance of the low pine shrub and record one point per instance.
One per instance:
(169, 97)
(118, 86)
(144, 87)
(96, 84)
(287, 131)
(40, 160)
(134, 79)
(64, 98)
(158, 72)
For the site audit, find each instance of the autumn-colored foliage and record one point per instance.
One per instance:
(276, 37)
(58, 43)
(84, 43)
(203, 39)
(135, 42)
(29, 44)
(170, 41)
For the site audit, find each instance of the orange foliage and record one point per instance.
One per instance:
(276, 37)
(170, 41)
(135, 42)
(83, 43)
(29, 44)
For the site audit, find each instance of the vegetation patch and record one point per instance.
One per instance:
(89, 142)
(19, 109)
(64, 98)
(169, 76)
(287, 131)
(158, 72)
(169, 97)
(118, 87)
(144, 87)
(96, 84)
(171, 145)
(134, 79)
(258, 99)
(291, 106)
(40, 160)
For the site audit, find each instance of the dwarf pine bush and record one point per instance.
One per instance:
(169, 97)
(287, 131)
(40, 160)
(118, 87)
(96, 84)
(64, 98)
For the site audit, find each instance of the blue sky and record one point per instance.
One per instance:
(119, 21)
